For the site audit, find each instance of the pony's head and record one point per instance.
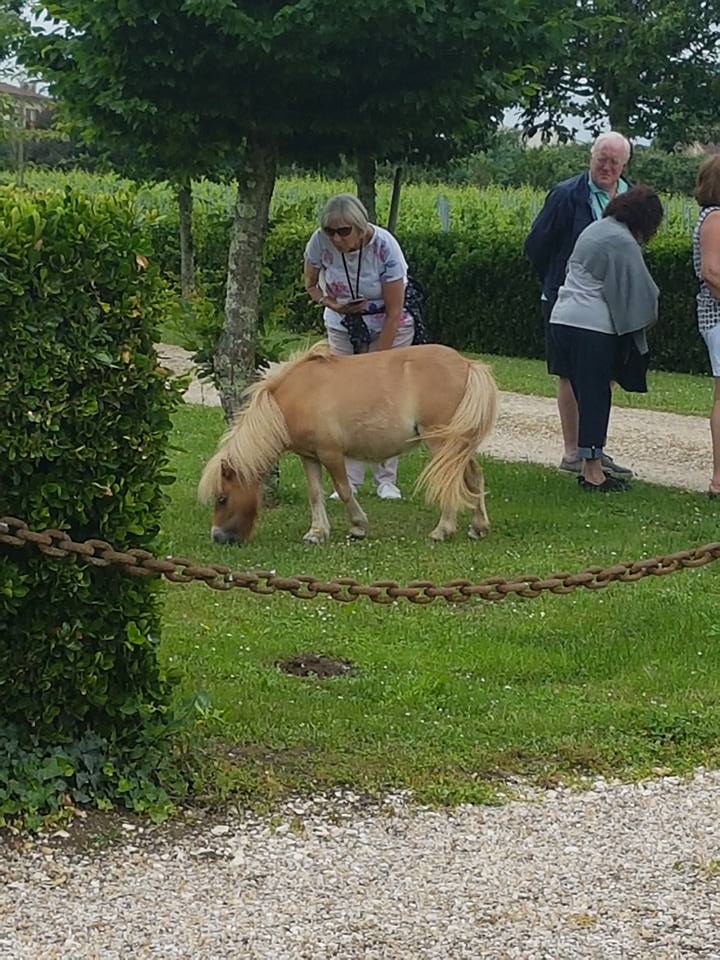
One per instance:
(232, 478)
(235, 503)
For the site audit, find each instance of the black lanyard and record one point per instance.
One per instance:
(354, 295)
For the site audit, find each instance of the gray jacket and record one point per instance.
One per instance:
(624, 289)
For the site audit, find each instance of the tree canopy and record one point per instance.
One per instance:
(649, 68)
(270, 80)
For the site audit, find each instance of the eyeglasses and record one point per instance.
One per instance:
(340, 231)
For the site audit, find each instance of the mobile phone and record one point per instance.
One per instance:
(354, 302)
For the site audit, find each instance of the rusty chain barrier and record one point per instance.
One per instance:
(142, 563)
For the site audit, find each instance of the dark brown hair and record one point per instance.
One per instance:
(639, 208)
(707, 185)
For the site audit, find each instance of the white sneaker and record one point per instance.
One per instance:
(389, 491)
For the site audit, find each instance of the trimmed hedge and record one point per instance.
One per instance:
(485, 297)
(85, 414)
(482, 294)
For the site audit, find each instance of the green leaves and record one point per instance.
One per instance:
(84, 421)
(41, 784)
(647, 66)
(185, 83)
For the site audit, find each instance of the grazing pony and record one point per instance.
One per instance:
(370, 407)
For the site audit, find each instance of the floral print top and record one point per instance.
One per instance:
(382, 262)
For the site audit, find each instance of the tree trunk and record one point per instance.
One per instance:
(234, 358)
(365, 182)
(20, 165)
(395, 201)
(187, 250)
(619, 112)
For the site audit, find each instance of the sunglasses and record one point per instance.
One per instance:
(340, 231)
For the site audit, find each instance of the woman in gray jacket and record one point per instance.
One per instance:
(600, 318)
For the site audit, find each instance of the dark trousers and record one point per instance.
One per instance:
(589, 360)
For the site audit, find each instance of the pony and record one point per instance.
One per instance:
(369, 407)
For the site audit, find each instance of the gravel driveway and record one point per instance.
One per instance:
(618, 871)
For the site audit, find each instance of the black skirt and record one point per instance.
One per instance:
(572, 349)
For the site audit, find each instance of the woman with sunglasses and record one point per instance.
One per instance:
(357, 272)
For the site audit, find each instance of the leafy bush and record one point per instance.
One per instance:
(84, 420)
(507, 163)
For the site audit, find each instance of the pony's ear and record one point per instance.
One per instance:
(227, 471)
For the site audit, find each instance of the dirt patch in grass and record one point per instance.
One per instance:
(314, 665)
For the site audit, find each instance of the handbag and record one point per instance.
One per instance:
(415, 306)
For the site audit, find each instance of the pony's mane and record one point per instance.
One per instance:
(274, 372)
(259, 434)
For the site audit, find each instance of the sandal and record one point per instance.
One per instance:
(712, 493)
(609, 485)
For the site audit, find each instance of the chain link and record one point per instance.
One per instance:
(142, 563)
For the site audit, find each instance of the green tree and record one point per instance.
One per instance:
(283, 80)
(648, 68)
(13, 26)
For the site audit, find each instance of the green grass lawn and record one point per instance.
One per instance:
(447, 700)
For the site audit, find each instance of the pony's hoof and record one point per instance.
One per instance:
(315, 537)
(476, 534)
(357, 533)
(437, 536)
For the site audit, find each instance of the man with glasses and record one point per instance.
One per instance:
(571, 206)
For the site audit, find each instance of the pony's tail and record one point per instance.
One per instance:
(444, 479)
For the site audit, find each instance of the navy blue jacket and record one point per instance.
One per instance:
(565, 214)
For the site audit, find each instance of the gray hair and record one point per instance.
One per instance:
(345, 209)
(614, 138)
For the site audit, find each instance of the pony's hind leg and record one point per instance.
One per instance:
(319, 526)
(475, 480)
(335, 465)
(447, 524)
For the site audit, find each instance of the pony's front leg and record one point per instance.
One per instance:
(356, 515)
(319, 527)
(447, 525)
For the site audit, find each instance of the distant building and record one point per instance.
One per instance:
(31, 104)
(697, 149)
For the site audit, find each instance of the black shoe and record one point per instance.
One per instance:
(609, 466)
(609, 485)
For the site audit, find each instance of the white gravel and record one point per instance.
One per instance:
(619, 871)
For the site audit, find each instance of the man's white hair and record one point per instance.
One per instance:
(612, 137)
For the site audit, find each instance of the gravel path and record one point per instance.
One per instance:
(664, 448)
(619, 872)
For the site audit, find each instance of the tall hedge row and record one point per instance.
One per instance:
(482, 294)
(84, 421)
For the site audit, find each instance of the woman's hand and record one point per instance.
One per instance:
(347, 308)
